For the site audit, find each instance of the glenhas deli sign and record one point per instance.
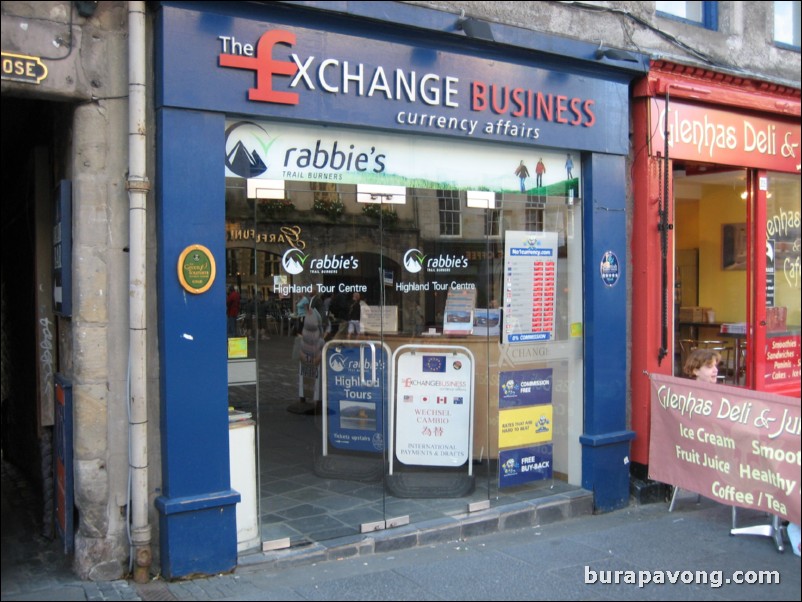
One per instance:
(698, 133)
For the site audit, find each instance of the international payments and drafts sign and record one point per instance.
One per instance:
(736, 446)
(433, 409)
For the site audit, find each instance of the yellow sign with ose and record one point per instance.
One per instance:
(23, 68)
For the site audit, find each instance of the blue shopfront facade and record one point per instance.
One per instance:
(380, 70)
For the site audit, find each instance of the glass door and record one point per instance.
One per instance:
(304, 267)
(483, 313)
(772, 358)
(538, 375)
(433, 281)
(711, 265)
(737, 273)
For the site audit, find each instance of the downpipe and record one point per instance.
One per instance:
(138, 187)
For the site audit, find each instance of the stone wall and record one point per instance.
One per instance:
(742, 44)
(86, 58)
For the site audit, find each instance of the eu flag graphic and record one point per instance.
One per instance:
(434, 363)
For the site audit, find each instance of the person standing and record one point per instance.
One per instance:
(309, 357)
(232, 310)
(338, 312)
(325, 315)
(355, 316)
(540, 169)
(522, 172)
(300, 310)
(569, 167)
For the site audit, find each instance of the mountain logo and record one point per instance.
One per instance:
(246, 149)
(413, 261)
(293, 261)
(337, 362)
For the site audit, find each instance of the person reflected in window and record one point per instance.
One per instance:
(569, 167)
(232, 310)
(309, 354)
(540, 169)
(300, 310)
(358, 309)
(522, 172)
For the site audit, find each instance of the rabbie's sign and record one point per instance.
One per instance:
(274, 69)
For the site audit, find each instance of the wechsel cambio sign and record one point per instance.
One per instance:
(733, 445)
(365, 78)
(433, 408)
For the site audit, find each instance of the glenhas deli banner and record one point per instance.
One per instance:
(736, 446)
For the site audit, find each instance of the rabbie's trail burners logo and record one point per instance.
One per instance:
(415, 261)
(246, 149)
(294, 261)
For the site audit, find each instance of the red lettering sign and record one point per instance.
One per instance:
(519, 102)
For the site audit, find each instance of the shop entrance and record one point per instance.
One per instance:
(710, 284)
(735, 277)
(416, 352)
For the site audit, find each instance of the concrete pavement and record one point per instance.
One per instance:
(691, 546)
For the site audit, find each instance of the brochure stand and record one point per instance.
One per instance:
(355, 383)
(431, 422)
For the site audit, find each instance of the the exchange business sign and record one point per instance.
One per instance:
(255, 67)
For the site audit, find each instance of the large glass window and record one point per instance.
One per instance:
(783, 209)
(493, 221)
(787, 23)
(704, 14)
(715, 303)
(466, 290)
(535, 208)
(450, 215)
(783, 282)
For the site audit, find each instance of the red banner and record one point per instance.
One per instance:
(733, 445)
